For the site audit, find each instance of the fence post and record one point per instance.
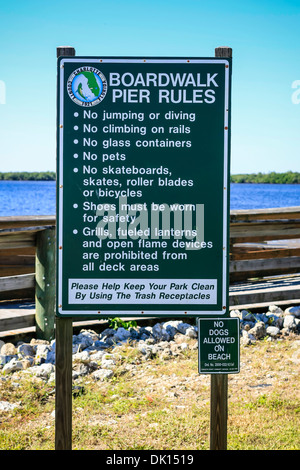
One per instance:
(45, 283)
(63, 361)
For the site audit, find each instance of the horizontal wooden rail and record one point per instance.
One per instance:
(262, 231)
(17, 287)
(265, 214)
(17, 318)
(23, 281)
(264, 242)
(27, 221)
(17, 240)
(264, 263)
(241, 253)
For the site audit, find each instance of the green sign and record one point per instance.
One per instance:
(219, 345)
(142, 186)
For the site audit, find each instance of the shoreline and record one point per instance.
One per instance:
(288, 178)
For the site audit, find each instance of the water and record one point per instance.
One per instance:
(38, 197)
(262, 196)
(27, 198)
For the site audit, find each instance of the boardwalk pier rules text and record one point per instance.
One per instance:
(142, 186)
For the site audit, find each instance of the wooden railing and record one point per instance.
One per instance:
(19, 238)
(263, 244)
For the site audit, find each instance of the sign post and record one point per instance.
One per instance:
(63, 360)
(142, 186)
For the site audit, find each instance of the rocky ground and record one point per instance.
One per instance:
(139, 387)
(94, 354)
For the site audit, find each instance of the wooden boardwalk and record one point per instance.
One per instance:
(264, 265)
(283, 291)
(18, 318)
(259, 294)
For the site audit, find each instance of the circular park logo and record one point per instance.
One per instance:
(87, 86)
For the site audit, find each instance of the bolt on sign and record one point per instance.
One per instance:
(143, 186)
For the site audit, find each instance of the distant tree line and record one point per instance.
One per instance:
(289, 177)
(28, 176)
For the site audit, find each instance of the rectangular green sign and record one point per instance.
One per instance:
(219, 345)
(142, 186)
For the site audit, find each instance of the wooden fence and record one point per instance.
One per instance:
(264, 244)
(264, 257)
(19, 239)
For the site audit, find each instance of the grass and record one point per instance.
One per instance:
(163, 405)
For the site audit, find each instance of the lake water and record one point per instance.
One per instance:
(263, 196)
(27, 198)
(38, 197)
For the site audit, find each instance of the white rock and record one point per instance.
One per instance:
(272, 331)
(293, 311)
(235, 314)
(108, 363)
(102, 374)
(5, 406)
(245, 339)
(97, 356)
(8, 349)
(12, 366)
(289, 322)
(259, 330)
(191, 332)
(275, 309)
(80, 370)
(82, 356)
(41, 353)
(43, 371)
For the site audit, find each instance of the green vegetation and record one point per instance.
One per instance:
(289, 177)
(116, 323)
(28, 176)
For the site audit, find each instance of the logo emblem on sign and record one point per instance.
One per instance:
(87, 86)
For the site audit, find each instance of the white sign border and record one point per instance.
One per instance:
(127, 313)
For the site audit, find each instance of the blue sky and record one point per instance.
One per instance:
(264, 36)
